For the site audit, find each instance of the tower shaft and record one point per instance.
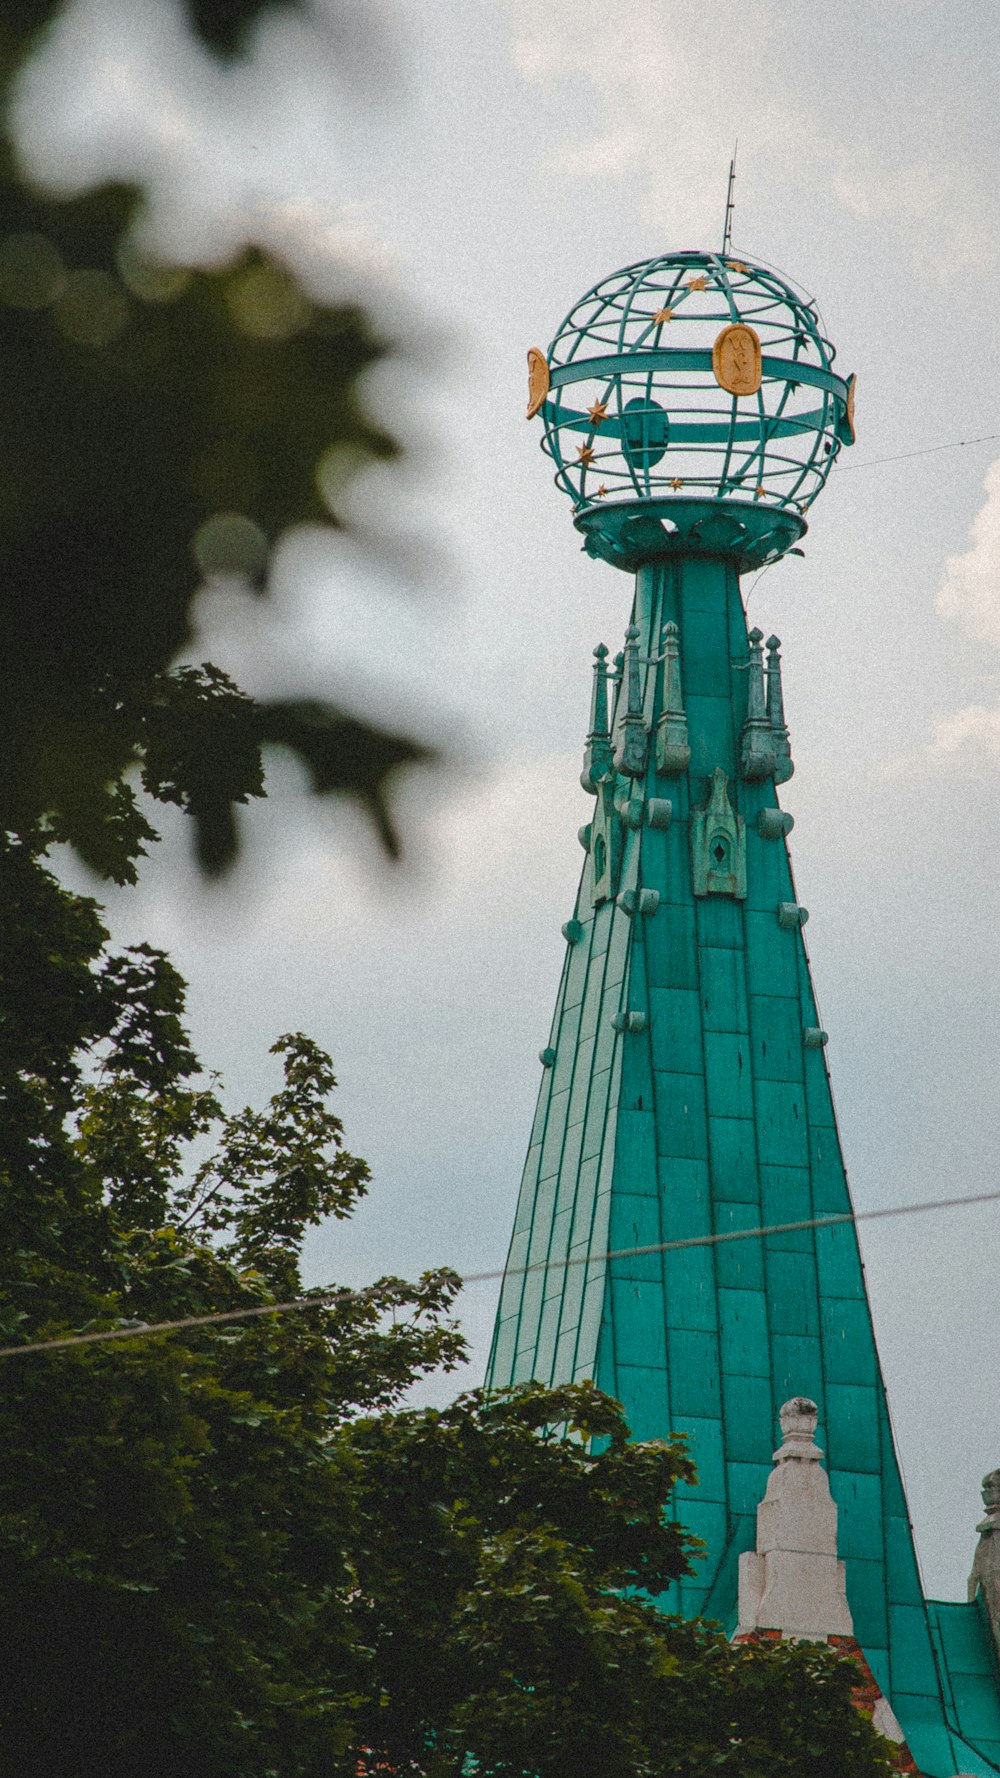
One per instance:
(686, 1097)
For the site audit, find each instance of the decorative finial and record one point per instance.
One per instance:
(597, 754)
(757, 754)
(799, 1419)
(727, 227)
(793, 1580)
(784, 765)
(630, 755)
(673, 752)
(985, 1576)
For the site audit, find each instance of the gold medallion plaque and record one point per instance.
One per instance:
(538, 380)
(852, 383)
(736, 360)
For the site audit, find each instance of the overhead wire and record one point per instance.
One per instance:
(954, 444)
(345, 1294)
(327, 1298)
(839, 468)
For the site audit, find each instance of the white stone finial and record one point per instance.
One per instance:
(799, 1419)
(793, 1581)
(985, 1576)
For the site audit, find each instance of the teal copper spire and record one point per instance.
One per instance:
(630, 755)
(673, 752)
(597, 757)
(776, 713)
(758, 757)
(692, 411)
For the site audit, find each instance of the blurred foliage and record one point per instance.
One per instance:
(230, 1552)
(160, 426)
(223, 23)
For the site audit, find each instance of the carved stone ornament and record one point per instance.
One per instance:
(539, 381)
(718, 845)
(736, 360)
(793, 1581)
(985, 1576)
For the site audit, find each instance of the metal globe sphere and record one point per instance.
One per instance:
(690, 402)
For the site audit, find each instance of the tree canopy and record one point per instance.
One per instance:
(234, 1550)
(175, 1548)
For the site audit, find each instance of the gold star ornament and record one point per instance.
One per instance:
(663, 315)
(602, 490)
(585, 455)
(678, 482)
(736, 265)
(598, 412)
(700, 283)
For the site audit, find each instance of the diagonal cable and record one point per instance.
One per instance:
(326, 1298)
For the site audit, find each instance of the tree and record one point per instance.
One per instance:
(229, 1550)
(175, 1514)
(510, 1551)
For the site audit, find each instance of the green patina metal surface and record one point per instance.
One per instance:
(685, 1093)
(685, 1090)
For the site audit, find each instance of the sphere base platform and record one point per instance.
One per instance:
(627, 533)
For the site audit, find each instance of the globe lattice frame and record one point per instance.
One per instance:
(654, 451)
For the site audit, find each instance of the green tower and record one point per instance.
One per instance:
(692, 412)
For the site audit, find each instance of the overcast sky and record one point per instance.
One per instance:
(470, 167)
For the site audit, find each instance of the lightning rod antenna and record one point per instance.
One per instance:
(727, 230)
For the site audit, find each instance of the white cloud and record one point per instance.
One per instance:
(673, 84)
(970, 589)
(966, 740)
(973, 727)
(664, 105)
(969, 594)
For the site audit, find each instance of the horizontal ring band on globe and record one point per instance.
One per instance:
(690, 402)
